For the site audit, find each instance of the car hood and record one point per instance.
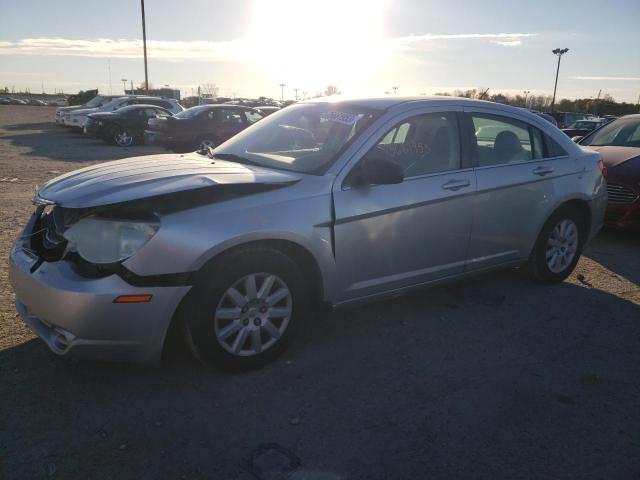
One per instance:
(152, 175)
(614, 156)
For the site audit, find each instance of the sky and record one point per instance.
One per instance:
(248, 48)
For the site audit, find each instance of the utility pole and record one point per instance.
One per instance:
(109, 68)
(124, 85)
(282, 85)
(559, 52)
(144, 46)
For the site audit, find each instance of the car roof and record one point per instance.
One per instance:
(142, 105)
(392, 101)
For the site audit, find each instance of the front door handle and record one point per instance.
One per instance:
(456, 184)
(542, 171)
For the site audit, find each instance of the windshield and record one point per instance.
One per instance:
(192, 112)
(621, 133)
(302, 138)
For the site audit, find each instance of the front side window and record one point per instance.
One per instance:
(228, 116)
(503, 140)
(424, 144)
(305, 137)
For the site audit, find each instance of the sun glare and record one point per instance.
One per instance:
(315, 43)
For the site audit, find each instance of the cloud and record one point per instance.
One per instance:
(508, 43)
(232, 50)
(623, 79)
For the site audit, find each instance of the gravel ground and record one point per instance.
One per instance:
(491, 378)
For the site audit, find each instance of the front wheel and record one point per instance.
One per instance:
(244, 309)
(558, 247)
(123, 138)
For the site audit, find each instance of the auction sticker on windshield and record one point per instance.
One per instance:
(340, 117)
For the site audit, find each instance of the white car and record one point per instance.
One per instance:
(78, 118)
(96, 101)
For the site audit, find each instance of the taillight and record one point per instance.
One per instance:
(603, 168)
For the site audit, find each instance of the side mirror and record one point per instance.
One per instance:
(577, 138)
(377, 168)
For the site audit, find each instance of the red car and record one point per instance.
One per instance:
(619, 144)
(200, 127)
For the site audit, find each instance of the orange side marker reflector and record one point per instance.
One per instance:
(133, 299)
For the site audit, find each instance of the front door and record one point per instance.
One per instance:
(389, 237)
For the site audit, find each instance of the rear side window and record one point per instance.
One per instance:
(503, 140)
(553, 148)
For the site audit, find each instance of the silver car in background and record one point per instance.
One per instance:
(324, 203)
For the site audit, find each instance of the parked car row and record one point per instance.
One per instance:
(31, 101)
(77, 118)
(135, 119)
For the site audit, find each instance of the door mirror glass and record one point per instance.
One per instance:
(577, 138)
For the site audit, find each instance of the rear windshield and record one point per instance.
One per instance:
(192, 112)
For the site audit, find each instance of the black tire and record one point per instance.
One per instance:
(208, 294)
(538, 266)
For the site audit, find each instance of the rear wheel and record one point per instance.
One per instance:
(244, 309)
(558, 247)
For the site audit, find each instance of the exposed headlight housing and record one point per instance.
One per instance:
(104, 241)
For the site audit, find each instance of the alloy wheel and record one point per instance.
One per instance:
(562, 245)
(253, 314)
(124, 138)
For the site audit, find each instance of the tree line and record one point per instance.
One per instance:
(606, 105)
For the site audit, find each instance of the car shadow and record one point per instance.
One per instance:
(618, 251)
(522, 376)
(53, 142)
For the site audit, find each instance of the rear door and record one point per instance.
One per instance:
(389, 237)
(520, 173)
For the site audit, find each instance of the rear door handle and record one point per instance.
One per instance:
(542, 171)
(456, 184)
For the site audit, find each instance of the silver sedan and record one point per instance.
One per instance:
(324, 203)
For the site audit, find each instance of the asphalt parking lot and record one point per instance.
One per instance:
(491, 378)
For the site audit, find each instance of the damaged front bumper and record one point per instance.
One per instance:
(74, 314)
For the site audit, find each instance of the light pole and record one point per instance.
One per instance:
(296, 90)
(144, 46)
(282, 85)
(526, 93)
(395, 90)
(559, 52)
(124, 85)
